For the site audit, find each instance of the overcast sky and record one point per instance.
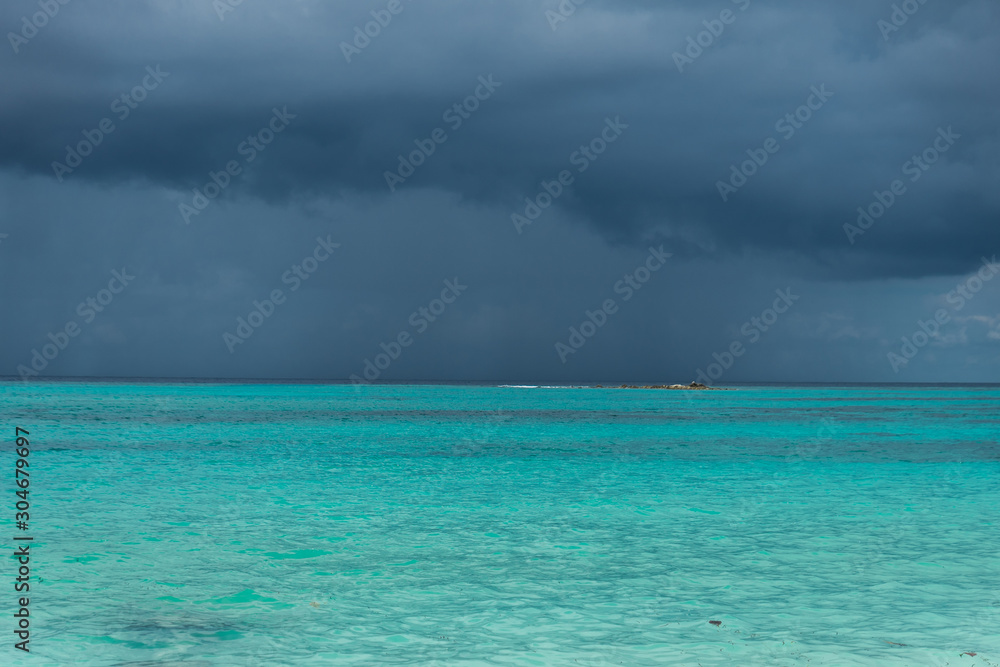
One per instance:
(115, 117)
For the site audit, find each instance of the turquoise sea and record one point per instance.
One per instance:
(283, 524)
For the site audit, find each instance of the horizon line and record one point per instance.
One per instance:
(607, 384)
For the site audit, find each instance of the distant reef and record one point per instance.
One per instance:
(695, 386)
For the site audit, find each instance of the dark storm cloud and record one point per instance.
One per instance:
(609, 69)
(685, 132)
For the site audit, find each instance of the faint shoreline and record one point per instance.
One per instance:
(694, 386)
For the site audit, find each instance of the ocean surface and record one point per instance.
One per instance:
(280, 524)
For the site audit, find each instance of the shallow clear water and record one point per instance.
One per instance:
(436, 525)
